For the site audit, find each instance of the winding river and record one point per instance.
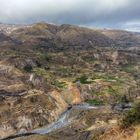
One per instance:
(64, 120)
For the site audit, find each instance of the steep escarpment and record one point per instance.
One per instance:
(32, 110)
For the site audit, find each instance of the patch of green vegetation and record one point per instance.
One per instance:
(117, 91)
(40, 72)
(60, 84)
(84, 80)
(129, 68)
(44, 56)
(95, 102)
(111, 78)
(133, 116)
(111, 93)
(107, 78)
(111, 90)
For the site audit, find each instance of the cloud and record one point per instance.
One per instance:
(132, 26)
(101, 13)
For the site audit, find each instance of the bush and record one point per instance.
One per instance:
(28, 68)
(124, 100)
(45, 57)
(133, 116)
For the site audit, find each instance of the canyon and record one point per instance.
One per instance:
(67, 81)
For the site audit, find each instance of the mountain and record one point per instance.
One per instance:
(72, 82)
(66, 36)
(123, 38)
(60, 37)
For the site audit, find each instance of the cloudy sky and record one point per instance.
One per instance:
(124, 14)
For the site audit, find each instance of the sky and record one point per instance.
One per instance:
(122, 14)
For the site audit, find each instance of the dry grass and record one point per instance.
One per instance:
(117, 133)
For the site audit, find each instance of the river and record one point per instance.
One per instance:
(64, 120)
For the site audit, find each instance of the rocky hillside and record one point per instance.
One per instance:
(123, 38)
(45, 70)
(68, 36)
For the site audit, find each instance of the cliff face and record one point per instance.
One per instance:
(24, 107)
(34, 109)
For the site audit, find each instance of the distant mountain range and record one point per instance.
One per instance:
(63, 37)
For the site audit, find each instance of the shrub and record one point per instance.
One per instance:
(28, 68)
(133, 116)
(45, 57)
(124, 100)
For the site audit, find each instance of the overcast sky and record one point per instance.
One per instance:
(124, 14)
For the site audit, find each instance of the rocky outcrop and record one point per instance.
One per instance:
(71, 95)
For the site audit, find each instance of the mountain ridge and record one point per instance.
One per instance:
(67, 36)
